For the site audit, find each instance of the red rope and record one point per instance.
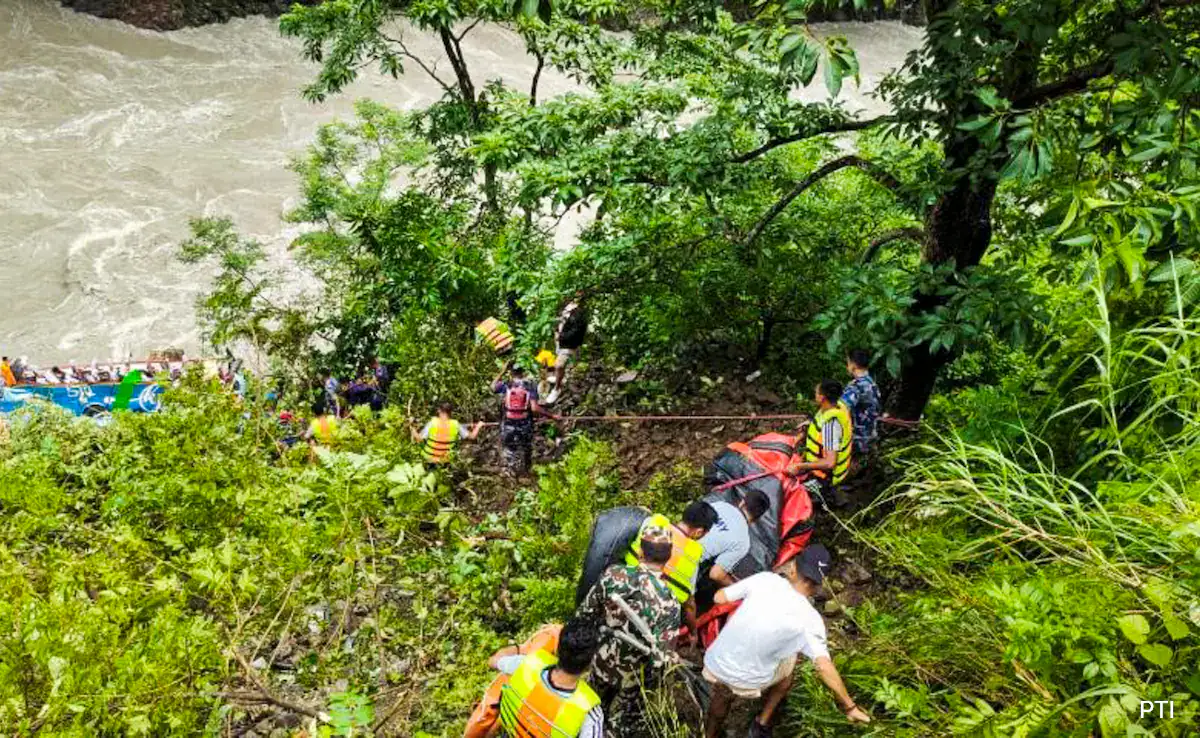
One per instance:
(652, 418)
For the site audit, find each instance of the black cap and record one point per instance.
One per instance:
(814, 562)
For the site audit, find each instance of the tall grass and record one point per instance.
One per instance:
(1059, 565)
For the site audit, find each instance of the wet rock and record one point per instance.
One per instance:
(854, 572)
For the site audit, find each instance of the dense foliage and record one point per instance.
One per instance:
(1022, 137)
(158, 571)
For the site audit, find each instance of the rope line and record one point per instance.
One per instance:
(653, 418)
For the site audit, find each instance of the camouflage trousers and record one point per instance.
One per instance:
(516, 446)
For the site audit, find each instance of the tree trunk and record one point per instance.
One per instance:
(958, 229)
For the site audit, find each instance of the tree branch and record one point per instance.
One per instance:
(870, 168)
(1077, 79)
(265, 695)
(537, 75)
(842, 127)
(911, 234)
(465, 86)
(409, 55)
(1074, 81)
(468, 29)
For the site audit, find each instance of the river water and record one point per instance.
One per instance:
(112, 137)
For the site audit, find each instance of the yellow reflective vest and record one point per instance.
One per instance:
(324, 429)
(441, 440)
(680, 571)
(530, 709)
(814, 443)
(496, 334)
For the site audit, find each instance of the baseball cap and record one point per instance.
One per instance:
(655, 533)
(814, 562)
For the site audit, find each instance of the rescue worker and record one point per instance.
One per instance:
(755, 654)
(518, 406)
(568, 337)
(728, 542)
(441, 435)
(7, 377)
(546, 696)
(861, 398)
(331, 387)
(828, 440)
(679, 572)
(621, 671)
(323, 428)
(495, 334)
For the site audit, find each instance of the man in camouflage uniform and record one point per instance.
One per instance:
(621, 670)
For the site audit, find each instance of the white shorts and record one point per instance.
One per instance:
(783, 671)
(563, 357)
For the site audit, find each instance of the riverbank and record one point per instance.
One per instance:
(169, 15)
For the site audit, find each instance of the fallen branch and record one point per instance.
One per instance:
(265, 695)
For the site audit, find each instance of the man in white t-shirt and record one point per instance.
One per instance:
(755, 654)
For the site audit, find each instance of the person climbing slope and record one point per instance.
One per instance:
(546, 696)
(680, 570)
(441, 435)
(568, 337)
(755, 654)
(621, 670)
(518, 407)
(861, 398)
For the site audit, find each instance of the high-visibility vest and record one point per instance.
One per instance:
(530, 709)
(679, 572)
(324, 429)
(441, 441)
(815, 446)
(497, 335)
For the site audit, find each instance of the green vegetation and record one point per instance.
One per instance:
(1016, 240)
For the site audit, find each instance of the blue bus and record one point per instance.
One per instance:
(81, 399)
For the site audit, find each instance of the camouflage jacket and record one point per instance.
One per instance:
(617, 663)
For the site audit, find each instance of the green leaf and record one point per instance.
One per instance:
(975, 123)
(1156, 653)
(1176, 628)
(1112, 719)
(791, 42)
(833, 77)
(1134, 627)
(1069, 220)
(1083, 240)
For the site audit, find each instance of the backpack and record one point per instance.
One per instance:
(517, 401)
(574, 328)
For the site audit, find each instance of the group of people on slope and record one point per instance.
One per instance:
(623, 635)
(622, 638)
(522, 399)
(20, 372)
